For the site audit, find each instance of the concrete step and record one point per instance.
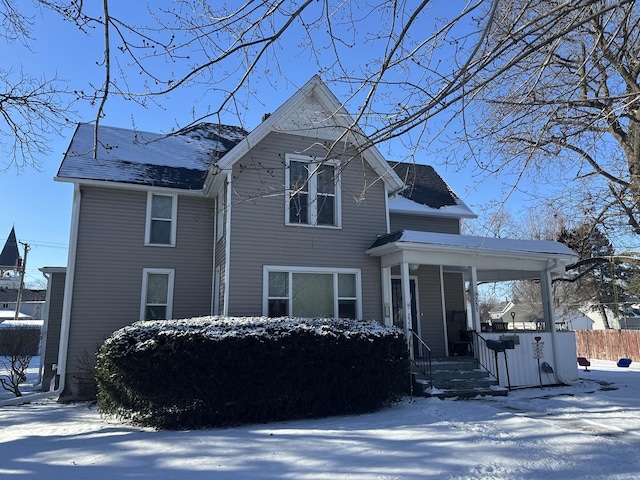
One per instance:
(457, 377)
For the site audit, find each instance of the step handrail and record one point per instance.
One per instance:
(483, 352)
(418, 358)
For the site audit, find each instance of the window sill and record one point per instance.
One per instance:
(306, 225)
(163, 245)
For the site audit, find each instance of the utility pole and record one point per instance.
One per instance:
(22, 269)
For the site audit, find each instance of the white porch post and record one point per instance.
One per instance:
(386, 296)
(547, 301)
(473, 291)
(406, 307)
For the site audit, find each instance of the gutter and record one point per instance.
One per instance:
(63, 347)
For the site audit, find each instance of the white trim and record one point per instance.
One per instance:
(212, 305)
(312, 192)
(418, 313)
(314, 87)
(173, 220)
(143, 296)
(65, 322)
(227, 248)
(129, 186)
(266, 269)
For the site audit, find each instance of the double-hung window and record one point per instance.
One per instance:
(157, 294)
(162, 211)
(312, 292)
(313, 192)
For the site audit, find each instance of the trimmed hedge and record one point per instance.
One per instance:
(217, 371)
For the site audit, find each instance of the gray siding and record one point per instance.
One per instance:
(401, 221)
(260, 237)
(430, 306)
(111, 256)
(52, 333)
(221, 257)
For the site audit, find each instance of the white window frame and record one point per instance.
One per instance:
(312, 191)
(143, 297)
(173, 220)
(322, 270)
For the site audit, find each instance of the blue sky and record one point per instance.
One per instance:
(40, 208)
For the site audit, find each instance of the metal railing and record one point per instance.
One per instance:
(421, 357)
(486, 352)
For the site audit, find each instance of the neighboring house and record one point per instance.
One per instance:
(293, 218)
(32, 303)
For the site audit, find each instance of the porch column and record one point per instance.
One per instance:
(386, 296)
(406, 300)
(473, 292)
(547, 301)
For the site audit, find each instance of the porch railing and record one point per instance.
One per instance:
(421, 357)
(487, 355)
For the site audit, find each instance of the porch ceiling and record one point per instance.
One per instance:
(495, 259)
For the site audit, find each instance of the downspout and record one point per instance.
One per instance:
(213, 255)
(45, 327)
(63, 347)
(227, 247)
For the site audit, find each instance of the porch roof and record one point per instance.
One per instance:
(496, 259)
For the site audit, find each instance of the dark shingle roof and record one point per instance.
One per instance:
(10, 253)
(180, 160)
(9, 295)
(424, 185)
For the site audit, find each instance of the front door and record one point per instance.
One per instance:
(398, 305)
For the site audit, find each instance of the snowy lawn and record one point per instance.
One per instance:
(589, 431)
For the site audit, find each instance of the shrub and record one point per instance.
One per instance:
(17, 346)
(218, 371)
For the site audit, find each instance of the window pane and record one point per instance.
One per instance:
(299, 208)
(155, 312)
(347, 309)
(298, 176)
(346, 285)
(312, 295)
(157, 288)
(160, 232)
(326, 179)
(278, 284)
(278, 308)
(326, 210)
(161, 206)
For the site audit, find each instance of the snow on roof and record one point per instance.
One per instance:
(426, 193)
(401, 204)
(179, 160)
(470, 242)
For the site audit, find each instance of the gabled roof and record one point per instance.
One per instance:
(426, 193)
(10, 254)
(313, 111)
(180, 160)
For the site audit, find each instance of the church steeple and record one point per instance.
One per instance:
(9, 255)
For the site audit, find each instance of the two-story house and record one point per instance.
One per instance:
(299, 217)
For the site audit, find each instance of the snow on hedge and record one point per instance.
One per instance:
(218, 328)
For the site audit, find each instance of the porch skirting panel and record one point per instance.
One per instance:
(525, 370)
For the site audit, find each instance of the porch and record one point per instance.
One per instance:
(436, 318)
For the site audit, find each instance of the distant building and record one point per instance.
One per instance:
(9, 258)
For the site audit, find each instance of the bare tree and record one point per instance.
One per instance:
(570, 109)
(32, 107)
(18, 345)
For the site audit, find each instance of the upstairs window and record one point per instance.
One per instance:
(161, 219)
(313, 192)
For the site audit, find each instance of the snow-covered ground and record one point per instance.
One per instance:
(589, 431)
